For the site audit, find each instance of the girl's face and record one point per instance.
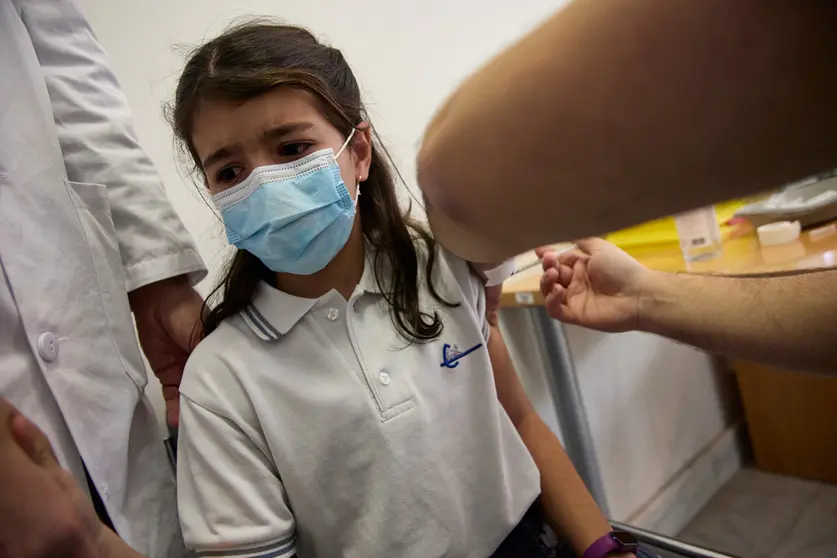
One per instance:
(281, 126)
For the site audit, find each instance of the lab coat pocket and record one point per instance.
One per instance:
(93, 210)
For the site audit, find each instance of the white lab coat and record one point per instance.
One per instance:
(83, 220)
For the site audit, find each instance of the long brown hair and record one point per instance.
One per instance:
(247, 61)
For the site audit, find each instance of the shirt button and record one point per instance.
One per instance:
(48, 346)
(333, 314)
(385, 379)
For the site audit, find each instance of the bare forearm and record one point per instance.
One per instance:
(111, 546)
(789, 321)
(569, 507)
(617, 111)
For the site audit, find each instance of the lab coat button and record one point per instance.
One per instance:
(385, 379)
(48, 346)
(333, 314)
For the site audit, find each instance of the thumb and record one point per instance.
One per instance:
(592, 244)
(33, 441)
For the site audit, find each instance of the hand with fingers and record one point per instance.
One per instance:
(43, 512)
(168, 319)
(595, 285)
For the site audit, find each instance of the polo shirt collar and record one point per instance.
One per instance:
(273, 313)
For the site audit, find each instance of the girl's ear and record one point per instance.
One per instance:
(362, 149)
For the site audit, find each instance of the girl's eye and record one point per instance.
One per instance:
(293, 149)
(227, 174)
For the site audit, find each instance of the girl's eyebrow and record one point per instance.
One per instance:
(285, 129)
(272, 133)
(220, 154)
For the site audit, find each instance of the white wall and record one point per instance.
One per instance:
(653, 406)
(407, 56)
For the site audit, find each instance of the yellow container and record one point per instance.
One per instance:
(662, 233)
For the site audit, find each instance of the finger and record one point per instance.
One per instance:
(543, 250)
(553, 302)
(548, 281)
(33, 441)
(548, 260)
(65, 479)
(173, 412)
(7, 412)
(557, 308)
(565, 275)
(570, 257)
(171, 393)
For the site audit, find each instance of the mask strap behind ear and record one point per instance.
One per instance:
(342, 147)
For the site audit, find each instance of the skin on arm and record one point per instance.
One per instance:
(113, 547)
(788, 321)
(43, 512)
(615, 112)
(568, 505)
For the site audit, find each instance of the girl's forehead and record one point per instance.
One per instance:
(220, 121)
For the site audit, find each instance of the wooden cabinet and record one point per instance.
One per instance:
(792, 420)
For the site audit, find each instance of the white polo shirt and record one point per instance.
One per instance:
(310, 427)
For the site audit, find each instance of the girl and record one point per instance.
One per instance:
(342, 402)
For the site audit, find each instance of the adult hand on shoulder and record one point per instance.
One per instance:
(596, 285)
(43, 512)
(168, 318)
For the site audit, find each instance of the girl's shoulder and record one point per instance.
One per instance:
(217, 363)
(448, 267)
(455, 279)
(458, 274)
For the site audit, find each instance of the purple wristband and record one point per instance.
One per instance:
(612, 543)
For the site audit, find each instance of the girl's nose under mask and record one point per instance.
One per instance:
(295, 217)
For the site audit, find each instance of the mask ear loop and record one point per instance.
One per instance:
(345, 143)
(340, 152)
(357, 192)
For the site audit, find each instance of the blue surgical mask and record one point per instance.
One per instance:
(295, 217)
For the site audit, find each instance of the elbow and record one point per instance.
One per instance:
(464, 205)
(434, 180)
(447, 173)
(456, 221)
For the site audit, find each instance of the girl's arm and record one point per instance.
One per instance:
(569, 507)
(230, 498)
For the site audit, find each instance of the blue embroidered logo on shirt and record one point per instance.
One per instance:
(451, 355)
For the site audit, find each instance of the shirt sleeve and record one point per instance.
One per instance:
(230, 499)
(471, 285)
(99, 145)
